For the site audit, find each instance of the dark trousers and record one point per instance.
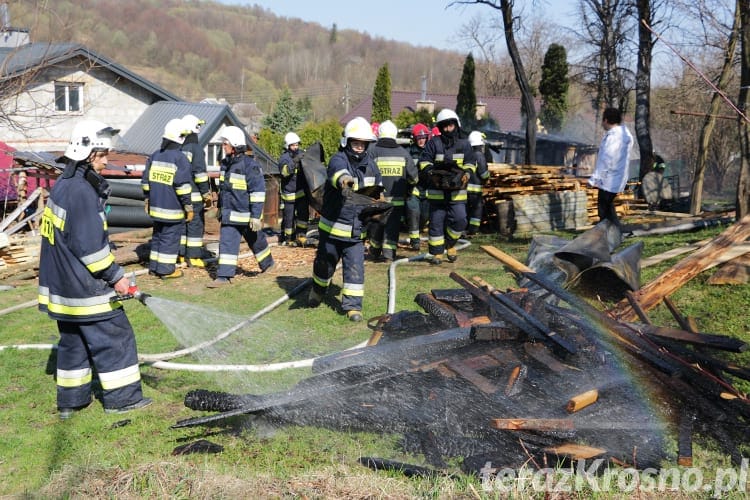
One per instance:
(295, 217)
(229, 249)
(192, 245)
(165, 245)
(605, 206)
(447, 224)
(474, 209)
(328, 254)
(109, 347)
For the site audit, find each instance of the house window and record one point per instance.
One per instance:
(68, 97)
(215, 154)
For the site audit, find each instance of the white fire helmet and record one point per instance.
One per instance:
(388, 129)
(87, 136)
(234, 136)
(359, 128)
(447, 115)
(193, 123)
(291, 138)
(476, 138)
(175, 130)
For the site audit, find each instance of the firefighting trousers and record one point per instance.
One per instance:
(474, 208)
(108, 346)
(417, 215)
(295, 218)
(191, 243)
(230, 238)
(447, 224)
(352, 254)
(165, 244)
(385, 235)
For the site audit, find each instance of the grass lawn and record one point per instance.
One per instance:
(99, 455)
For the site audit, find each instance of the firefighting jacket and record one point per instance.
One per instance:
(339, 218)
(435, 151)
(166, 184)
(242, 190)
(396, 167)
(77, 270)
(291, 189)
(479, 175)
(198, 175)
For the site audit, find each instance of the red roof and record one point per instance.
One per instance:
(505, 110)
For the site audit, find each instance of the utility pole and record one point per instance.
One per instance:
(346, 98)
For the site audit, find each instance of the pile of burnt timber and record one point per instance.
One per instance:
(518, 376)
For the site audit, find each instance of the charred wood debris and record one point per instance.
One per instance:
(530, 375)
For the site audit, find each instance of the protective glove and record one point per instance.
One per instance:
(346, 183)
(189, 214)
(208, 200)
(145, 206)
(255, 225)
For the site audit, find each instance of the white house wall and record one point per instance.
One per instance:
(107, 97)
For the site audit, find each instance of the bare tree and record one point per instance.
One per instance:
(643, 86)
(605, 24)
(527, 97)
(743, 183)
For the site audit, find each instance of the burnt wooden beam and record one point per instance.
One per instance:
(685, 323)
(445, 313)
(515, 378)
(633, 301)
(470, 375)
(721, 342)
(685, 440)
(543, 356)
(514, 313)
(494, 331)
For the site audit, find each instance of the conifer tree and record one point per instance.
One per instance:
(286, 115)
(553, 88)
(466, 100)
(381, 96)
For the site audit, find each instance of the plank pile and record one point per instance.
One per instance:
(528, 198)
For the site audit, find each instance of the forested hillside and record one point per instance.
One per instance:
(200, 49)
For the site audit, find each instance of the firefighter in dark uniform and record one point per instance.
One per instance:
(242, 194)
(191, 246)
(342, 233)
(293, 229)
(166, 189)
(400, 174)
(417, 205)
(447, 200)
(478, 176)
(79, 281)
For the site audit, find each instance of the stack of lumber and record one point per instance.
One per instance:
(624, 203)
(528, 198)
(20, 250)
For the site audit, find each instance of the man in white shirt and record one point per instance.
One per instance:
(611, 170)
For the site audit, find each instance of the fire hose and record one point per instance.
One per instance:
(160, 360)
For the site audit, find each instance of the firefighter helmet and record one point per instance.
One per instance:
(447, 115)
(193, 123)
(360, 129)
(388, 130)
(476, 138)
(291, 138)
(175, 130)
(87, 136)
(419, 131)
(234, 136)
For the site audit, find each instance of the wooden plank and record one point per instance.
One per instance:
(576, 451)
(532, 424)
(734, 272)
(650, 295)
(470, 375)
(515, 379)
(581, 401)
(540, 353)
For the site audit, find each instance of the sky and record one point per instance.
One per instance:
(421, 23)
